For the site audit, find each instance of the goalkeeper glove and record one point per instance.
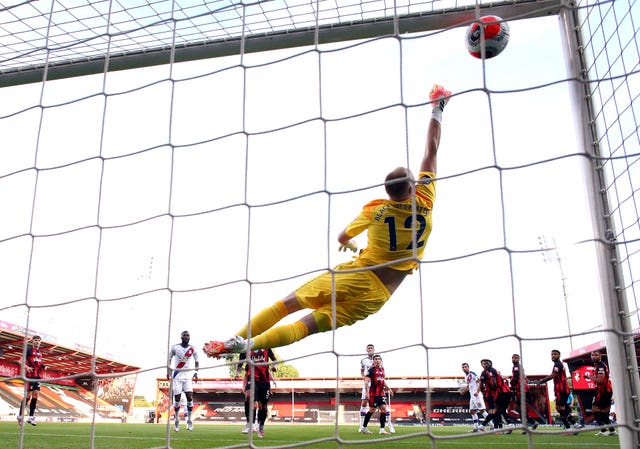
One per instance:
(349, 245)
(440, 97)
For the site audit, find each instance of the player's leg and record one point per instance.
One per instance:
(563, 410)
(479, 405)
(247, 408)
(263, 334)
(490, 418)
(524, 418)
(317, 295)
(607, 410)
(474, 419)
(189, 396)
(474, 408)
(531, 420)
(263, 406)
(177, 397)
(269, 316)
(367, 416)
(599, 418)
(389, 423)
(24, 401)
(388, 417)
(482, 414)
(565, 416)
(32, 403)
(497, 418)
(605, 406)
(262, 417)
(284, 335)
(256, 407)
(503, 405)
(601, 408)
(364, 407)
(176, 412)
(383, 418)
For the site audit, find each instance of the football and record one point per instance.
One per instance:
(496, 37)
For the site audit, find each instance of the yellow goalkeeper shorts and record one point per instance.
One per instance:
(358, 294)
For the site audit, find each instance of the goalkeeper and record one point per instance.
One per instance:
(395, 246)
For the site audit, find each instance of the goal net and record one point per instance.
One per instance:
(178, 165)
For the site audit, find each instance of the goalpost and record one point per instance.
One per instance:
(156, 160)
(616, 261)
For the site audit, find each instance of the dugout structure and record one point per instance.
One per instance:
(579, 362)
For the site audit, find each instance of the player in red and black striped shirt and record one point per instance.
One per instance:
(377, 386)
(503, 399)
(497, 395)
(560, 389)
(604, 393)
(34, 370)
(517, 377)
(489, 387)
(258, 376)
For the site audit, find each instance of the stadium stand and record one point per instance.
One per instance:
(67, 394)
(325, 400)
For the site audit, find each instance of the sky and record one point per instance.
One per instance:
(192, 204)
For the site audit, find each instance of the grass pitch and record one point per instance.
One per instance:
(205, 436)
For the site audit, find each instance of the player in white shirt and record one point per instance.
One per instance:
(365, 364)
(186, 359)
(476, 400)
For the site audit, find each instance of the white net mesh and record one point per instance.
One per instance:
(190, 195)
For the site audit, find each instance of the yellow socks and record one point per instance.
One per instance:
(265, 319)
(281, 336)
(264, 335)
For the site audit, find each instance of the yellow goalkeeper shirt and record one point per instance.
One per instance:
(392, 234)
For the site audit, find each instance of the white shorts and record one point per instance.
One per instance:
(477, 403)
(181, 385)
(364, 395)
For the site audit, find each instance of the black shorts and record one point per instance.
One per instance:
(562, 399)
(503, 400)
(603, 400)
(33, 386)
(261, 392)
(377, 401)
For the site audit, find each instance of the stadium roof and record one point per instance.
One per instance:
(65, 361)
(584, 353)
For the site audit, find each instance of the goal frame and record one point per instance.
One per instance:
(619, 335)
(618, 329)
(278, 40)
